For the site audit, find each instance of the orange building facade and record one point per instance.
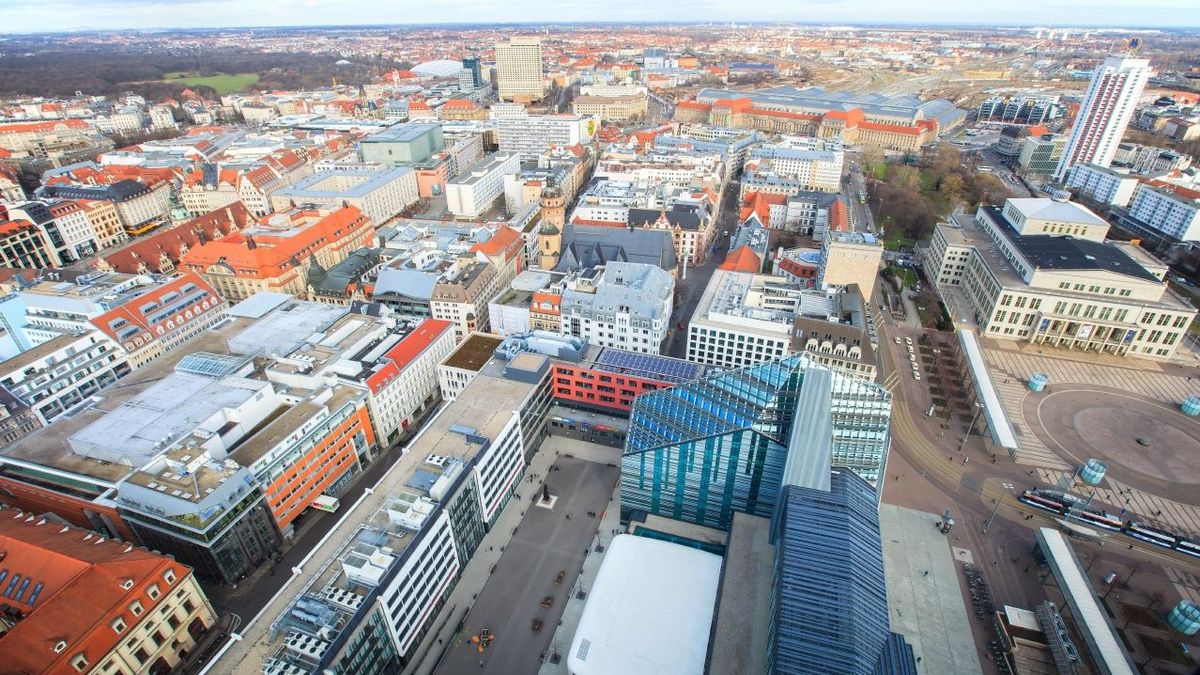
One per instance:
(275, 254)
(851, 126)
(313, 448)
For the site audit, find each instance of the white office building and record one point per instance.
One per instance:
(1169, 210)
(531, 135)
(519, 73)
(471, 193)
(1052, 279)
(622, 305)
(809, 163)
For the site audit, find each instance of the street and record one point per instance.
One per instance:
(689, 290)
(252, 594)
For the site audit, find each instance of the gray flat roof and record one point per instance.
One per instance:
(372, 179)
(401, 133)
(739, 637)
(928, 610)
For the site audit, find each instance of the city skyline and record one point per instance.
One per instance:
(25, 16)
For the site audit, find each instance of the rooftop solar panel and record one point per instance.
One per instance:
(649, 365)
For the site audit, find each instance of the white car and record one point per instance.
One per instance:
(910, 349)
(897, 338)
(913, 358)
(916, 376)
(908, 341)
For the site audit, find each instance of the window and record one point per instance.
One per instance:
(153, 591)
(79, 662)
(118, 625)
(136, 608)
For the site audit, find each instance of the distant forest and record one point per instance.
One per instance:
(62, 72)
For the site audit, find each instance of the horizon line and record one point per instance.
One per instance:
(501, 24)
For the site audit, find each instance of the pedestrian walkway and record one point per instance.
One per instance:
(1187, 584)
(1012, 367)
(478, 569)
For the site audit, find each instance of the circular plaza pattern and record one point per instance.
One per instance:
(1145, 443)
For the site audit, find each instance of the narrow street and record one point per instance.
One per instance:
(691, 288)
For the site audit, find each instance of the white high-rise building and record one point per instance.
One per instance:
(519, 70)
(1107, 108)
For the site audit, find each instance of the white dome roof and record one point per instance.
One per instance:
(442, 68)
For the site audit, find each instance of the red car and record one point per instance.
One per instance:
(681, 326)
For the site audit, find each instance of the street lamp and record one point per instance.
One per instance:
(974, 418)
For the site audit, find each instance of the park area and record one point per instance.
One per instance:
(222, 83)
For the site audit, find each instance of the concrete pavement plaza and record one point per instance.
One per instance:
(1099, 406)
(547, 541)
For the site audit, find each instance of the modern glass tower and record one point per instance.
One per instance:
(829, 611)
(701, 450)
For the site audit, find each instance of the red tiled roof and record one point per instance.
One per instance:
(171, 242)
(132, 315)
(460, 104)
(8, 227)
(81, 577)
(543, 297)
(406, 351)
(1186, 193)
(839, 217)
(742, 259)
(760, 203)
(48, 125)
(272, 255)
(501, 241)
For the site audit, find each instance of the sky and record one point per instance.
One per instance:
(64, 15)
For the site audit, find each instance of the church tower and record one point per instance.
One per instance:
(553, 216)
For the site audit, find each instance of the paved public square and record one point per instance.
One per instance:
(547, 541)
(1124, 412)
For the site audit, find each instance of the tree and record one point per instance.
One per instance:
(951, 187)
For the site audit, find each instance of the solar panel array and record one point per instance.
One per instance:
(648, 365)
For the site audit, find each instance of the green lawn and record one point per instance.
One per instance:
(895, 240)
(907, 277)
(223, 83)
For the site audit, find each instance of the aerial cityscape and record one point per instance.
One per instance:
(344, 338)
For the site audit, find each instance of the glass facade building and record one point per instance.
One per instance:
(829, 611)
(703, 449)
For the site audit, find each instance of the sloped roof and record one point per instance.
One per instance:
(743, 259)
(80, 575)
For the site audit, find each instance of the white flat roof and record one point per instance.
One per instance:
(997, 421)
(649, 611)
(1098, 632)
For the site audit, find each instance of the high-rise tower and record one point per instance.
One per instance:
(1107, 108)
(519, 70)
